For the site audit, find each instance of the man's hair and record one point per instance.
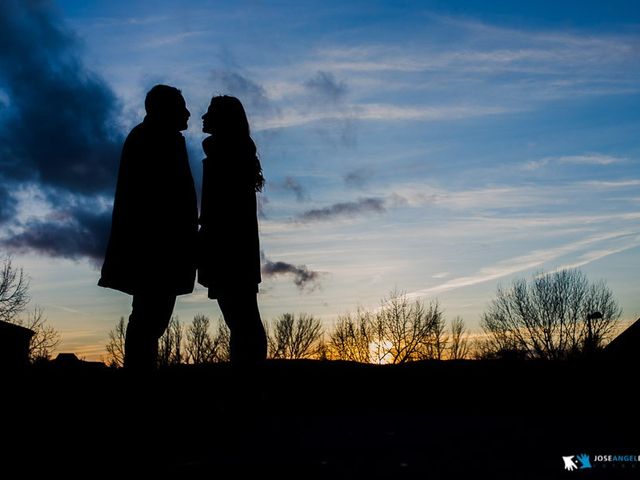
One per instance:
(161, 98)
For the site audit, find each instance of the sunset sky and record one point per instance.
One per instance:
(437, 147)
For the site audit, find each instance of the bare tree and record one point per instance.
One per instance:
(601, 313)
(115, 345)
(170, 344)
(221, 343)
(551, 317)
(409, 331)
(45, 339)
(14, 288)
(352, 337)
(199, 345)
(14, 297)
(295, 338)
(459, 344)
(177, 330)
(437, 347)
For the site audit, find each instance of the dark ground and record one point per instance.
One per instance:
(310, 419)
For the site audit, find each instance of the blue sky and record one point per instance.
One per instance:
(439, 148)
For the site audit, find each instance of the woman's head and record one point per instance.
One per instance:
(227, 121)
(225, 117)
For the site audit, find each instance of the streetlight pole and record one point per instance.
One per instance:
(590, 346)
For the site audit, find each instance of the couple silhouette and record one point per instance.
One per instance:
(155, 246)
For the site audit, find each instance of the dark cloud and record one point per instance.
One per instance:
(82, 234)
(294, 186)
(326, 85)
(344, 209)
(302, 276)
(358, 178)
(7, 202)
(57, 131)
(251, 94)
(58, 126)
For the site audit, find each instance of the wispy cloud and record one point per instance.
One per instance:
(485, 71)
(173, 39)
(440, 275)
(514, 66)
(377, 112)
(611, 184)
(416, 195)
(501, 208)
(588, 159)
(594, 255)
(535, 259)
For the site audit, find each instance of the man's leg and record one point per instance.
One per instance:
(149, 318)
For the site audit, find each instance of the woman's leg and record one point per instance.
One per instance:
(248, 338)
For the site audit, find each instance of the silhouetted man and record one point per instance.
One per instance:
(151, 250)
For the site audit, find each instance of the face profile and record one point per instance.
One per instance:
(182, 115)
(165, 105)
(207, 121)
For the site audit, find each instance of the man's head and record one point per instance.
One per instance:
(166, 105)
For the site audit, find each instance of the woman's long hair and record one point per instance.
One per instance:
(230, 124)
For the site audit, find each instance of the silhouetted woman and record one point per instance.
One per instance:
(229, 263)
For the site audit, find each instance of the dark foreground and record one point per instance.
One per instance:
(307, 419)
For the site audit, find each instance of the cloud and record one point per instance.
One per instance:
(594, 255)
(512, 67)
(82, 234)
(58, 127)
(590, 159)
(252, 95)
(325, 85)
(294, 186)
(440, 275)
(611, 184)
(263, 201)
(302, 276)
(379, 112)
(480, 49)
(358, 178)
(344, 209)
(535, 259)
(164, 41)
(7, 202)
(57, 133)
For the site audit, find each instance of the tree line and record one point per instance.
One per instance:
(553, 316)
(400, 332)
